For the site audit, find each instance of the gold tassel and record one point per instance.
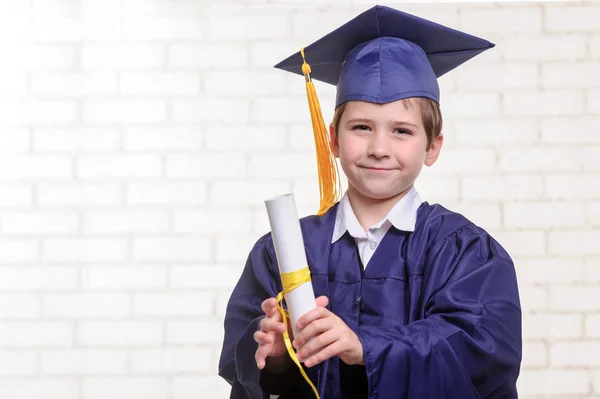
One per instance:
(329, 181)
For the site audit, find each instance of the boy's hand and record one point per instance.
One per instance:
(324, 335)
(269, 337)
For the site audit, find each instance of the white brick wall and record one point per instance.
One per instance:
(138, 140)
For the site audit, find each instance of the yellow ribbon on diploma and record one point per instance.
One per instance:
(290, 281)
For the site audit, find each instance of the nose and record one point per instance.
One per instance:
(378, 146)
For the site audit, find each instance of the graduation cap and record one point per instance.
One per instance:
(380, 56)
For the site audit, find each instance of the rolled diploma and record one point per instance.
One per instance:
(290, 252)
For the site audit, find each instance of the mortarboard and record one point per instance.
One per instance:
(380, 56)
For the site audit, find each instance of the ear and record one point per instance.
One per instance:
(335, 144)
(433, 152)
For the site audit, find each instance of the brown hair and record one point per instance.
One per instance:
(431, 116)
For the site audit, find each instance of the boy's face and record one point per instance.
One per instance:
(382, 147)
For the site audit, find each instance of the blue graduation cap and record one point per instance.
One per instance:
(383, 55)
(380, 56)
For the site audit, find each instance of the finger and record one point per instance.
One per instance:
(312, 330)
(269, 324)
(261, 355)
(317, 344)
(332, 350)
(313, 314)
(263, 338)
(268, 304)
(322, 301)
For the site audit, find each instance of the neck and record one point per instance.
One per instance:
(369, 210)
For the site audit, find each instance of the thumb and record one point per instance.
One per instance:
(322, 301)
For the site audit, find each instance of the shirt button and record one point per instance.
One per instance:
(373, 244)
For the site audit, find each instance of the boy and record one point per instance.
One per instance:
(414, 301)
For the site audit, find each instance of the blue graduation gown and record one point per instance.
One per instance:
(437, 312)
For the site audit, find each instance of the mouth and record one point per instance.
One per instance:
(376, 169)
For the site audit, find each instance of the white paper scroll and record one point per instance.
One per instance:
(291, 256)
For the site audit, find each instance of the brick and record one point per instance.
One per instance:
(591, 159)
(550, 270)
(170, 360)
(75, 140)
(534, 299)
(462, 160)
(123, 277)
(592, 269)
(247, 26)
(535, 354)
(170, 248)
(183, 385)
(506, 21)
(16, 250)
(38, 112)
(124, 111)
(264, 54)
(213, 110)
(40, 223)
(571, 187)
(243, 83)
(136, 7)
(306, 190)
(38, 278)
(58, 29)
(234, 247)
(13, 83)
(185, 83)
(554, 382)
(221, 55)
(125, 387)
(255, 191)
(501, 188)
(278, 165)
(495, 132)
(592, 325)
(122, 56)
(593, 213)
(84, 249)
(580, 74)
(78, 194)
(544, 215)
(159, 27)
(86, 305)
(487, 216)
(119, 333)
(19, 306)
(569, 130)
(213, 220)
(206, 277)
(210, 165)
(119, 166)
(254, 138)
(522, 243)
(163, 139)
(183, 332)
(595, 46)
(173, 303)
(593, 101)
(167, 193)
(574, 242)
(548, 103)
(309, 25)
(27, 388)
(505, 77)
(582, 18)
(543, 326)
(18, 362)
(15, 194)
(222, 300)
(296, 110)
(119, 222)
(102, 24)
(27, 334)
(36, 56)
(74, 84)
(544, 48)
(260, 221)
(35, 167)
(573, 297)
(17, 26)
(56, 8)
(301, 138)
(464, 105)
(582, 353)
(535, 158)
(83, 361)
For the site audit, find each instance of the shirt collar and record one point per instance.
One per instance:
(403, 216)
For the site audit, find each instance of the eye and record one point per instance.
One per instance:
(402, 131)
(360, 127)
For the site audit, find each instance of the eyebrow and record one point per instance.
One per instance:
(365, 120)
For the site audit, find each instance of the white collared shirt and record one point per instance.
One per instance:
(402, 216)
